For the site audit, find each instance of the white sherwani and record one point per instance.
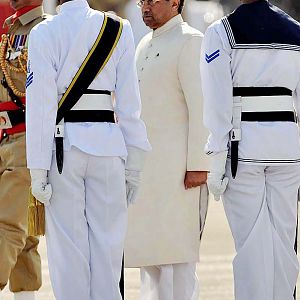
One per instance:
(164, 223)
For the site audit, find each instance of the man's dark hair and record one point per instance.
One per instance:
(181, 5)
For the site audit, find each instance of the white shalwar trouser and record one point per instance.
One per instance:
(85, 226)
(261, 208)
(169, 282)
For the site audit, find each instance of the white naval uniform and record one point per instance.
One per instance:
(261, 202)
(164, 232)
(87, 216)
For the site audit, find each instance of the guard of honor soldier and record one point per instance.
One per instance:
(251, 83)
(77, 60)
(19, 260)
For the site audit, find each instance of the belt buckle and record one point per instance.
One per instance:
(5, 122)
(235, 135)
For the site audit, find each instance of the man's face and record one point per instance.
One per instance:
(157, 12)
(17, 4)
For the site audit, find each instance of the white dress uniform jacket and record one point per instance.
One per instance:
(56, 60)
(164, 223)
(251, 63)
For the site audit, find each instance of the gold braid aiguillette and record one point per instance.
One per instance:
(6, 65)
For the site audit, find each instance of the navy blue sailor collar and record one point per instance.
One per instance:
(262, 25)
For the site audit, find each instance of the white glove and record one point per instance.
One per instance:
(134, 164)
(40, 188)
(216, 180)
(132, 185)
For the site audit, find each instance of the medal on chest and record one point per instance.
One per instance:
(16, 46)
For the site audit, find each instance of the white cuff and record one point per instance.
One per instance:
(135, 159)
(218, 162)
(38, 174)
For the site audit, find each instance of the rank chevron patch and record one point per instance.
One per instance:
(211, 57)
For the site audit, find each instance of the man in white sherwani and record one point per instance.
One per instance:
(251, 83)
(86, 208)
(165, 224)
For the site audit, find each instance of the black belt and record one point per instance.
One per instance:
(252, 91)
(76, 116)
(16, 116)
(97, 92)
(269, 116)
(272, 116)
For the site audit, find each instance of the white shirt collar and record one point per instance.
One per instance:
(167, 26)
(73, 4)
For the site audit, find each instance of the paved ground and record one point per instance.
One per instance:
(214, 270)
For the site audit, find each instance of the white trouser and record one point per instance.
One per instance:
(85, 227)
(261, 208)
(169, 282)
(24, 296)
